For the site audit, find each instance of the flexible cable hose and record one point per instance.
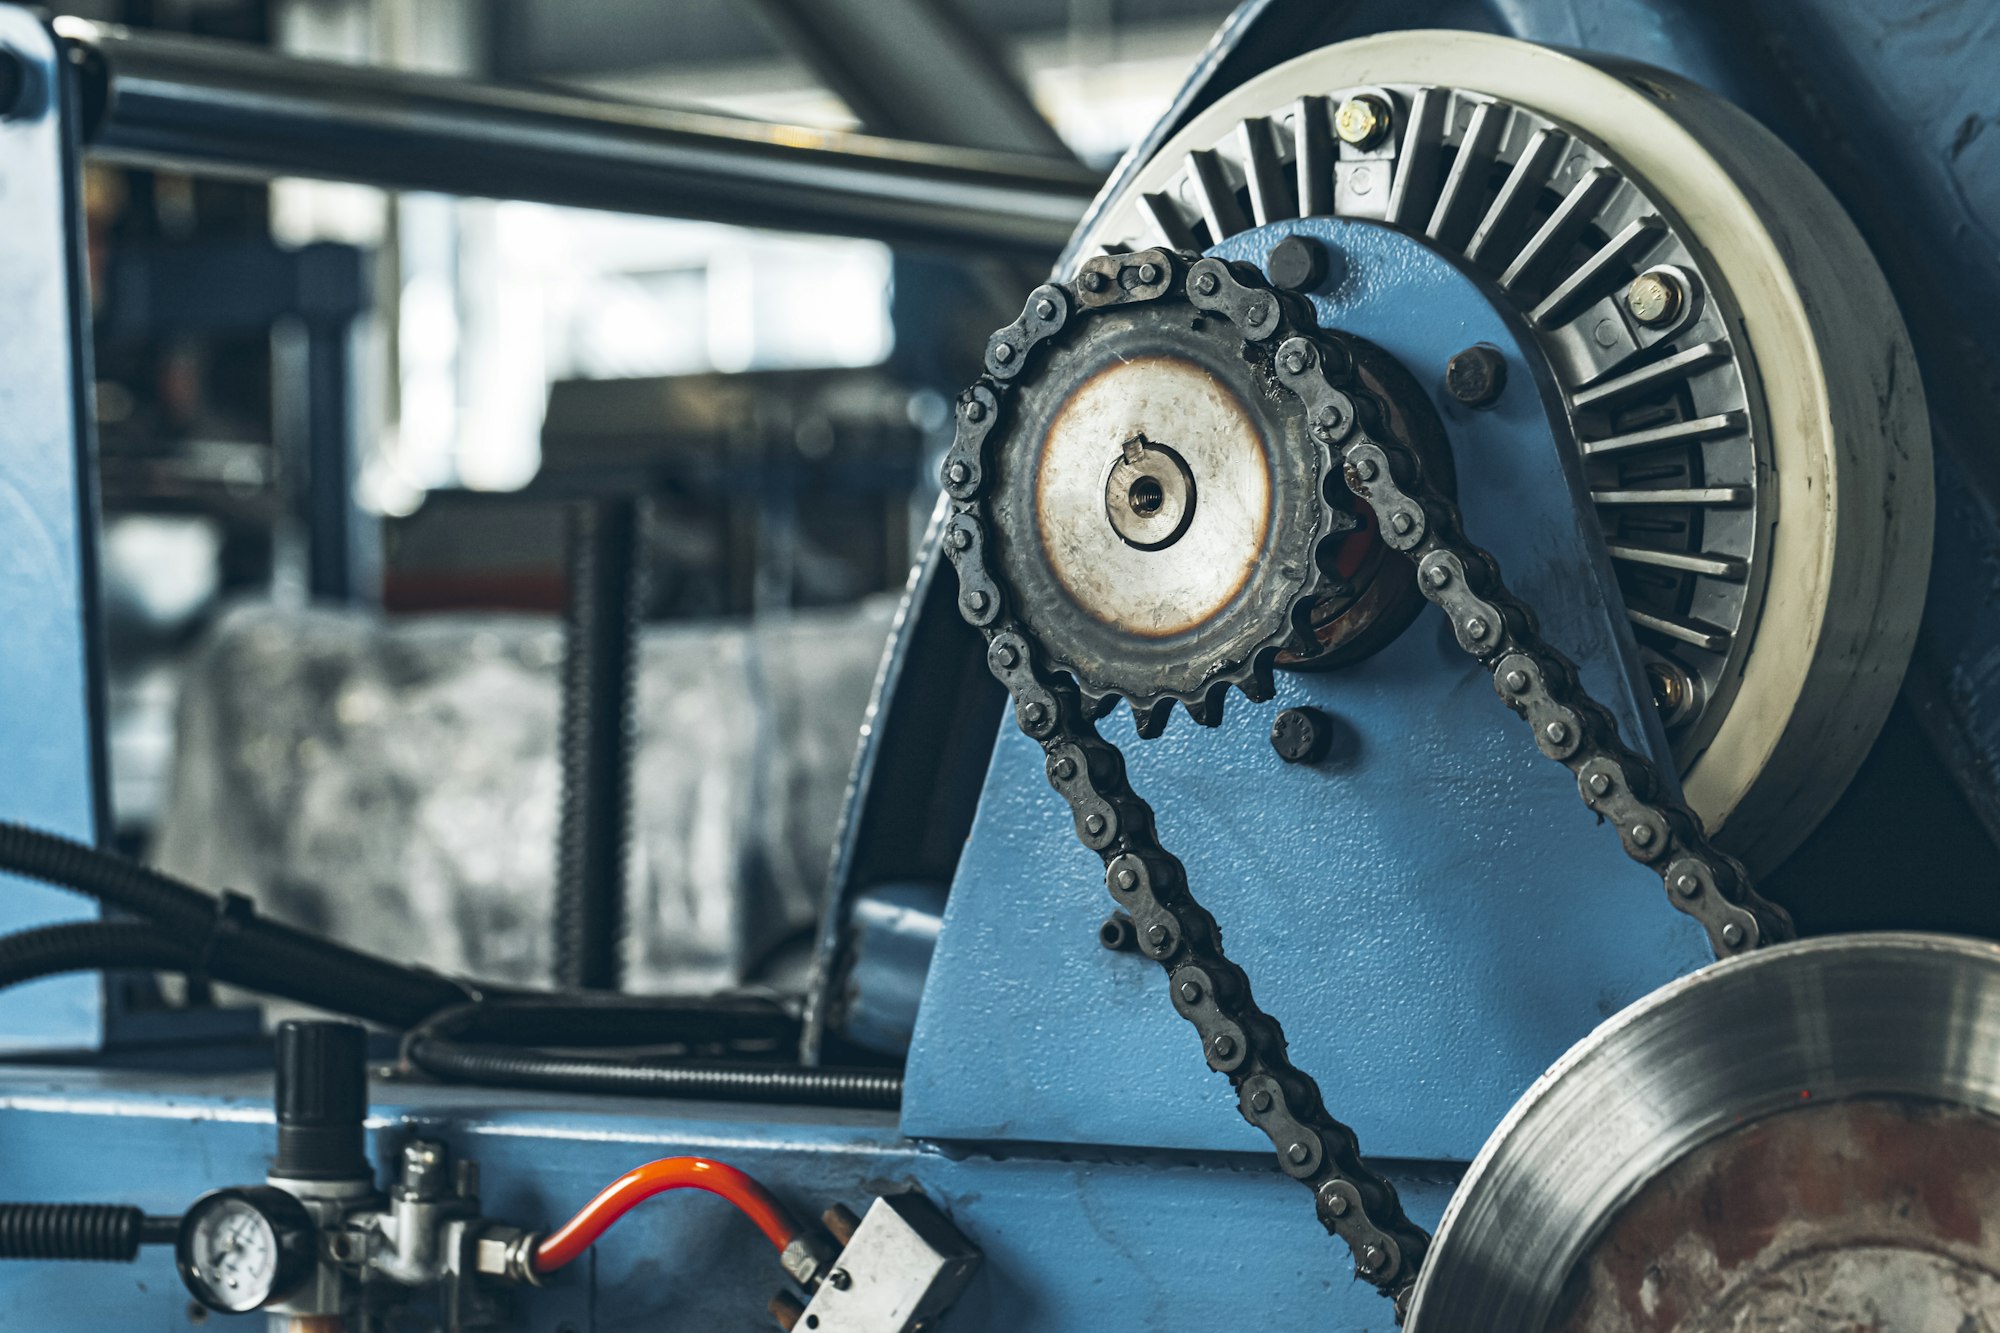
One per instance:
(77, 946)
(669, 1173)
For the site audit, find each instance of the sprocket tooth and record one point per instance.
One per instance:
(1258, 686)
(1207, 710)
(1097, 707)
(1151, 719)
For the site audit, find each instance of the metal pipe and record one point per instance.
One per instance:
(220, 107)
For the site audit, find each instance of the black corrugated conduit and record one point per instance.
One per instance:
(106, 1232)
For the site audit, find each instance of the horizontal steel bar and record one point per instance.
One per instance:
(226, 108)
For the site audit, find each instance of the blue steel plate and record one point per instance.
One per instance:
(1434, 919)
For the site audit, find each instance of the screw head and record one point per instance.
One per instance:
(1302, 735)
(1362, 122)
(1656, 297)
(1205, 284)
(840, 1278)
(1149, 273)
(1297, 264)
(1476, 376)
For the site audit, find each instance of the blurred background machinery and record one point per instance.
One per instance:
(472, 478)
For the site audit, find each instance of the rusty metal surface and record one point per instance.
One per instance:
(1877, 1215)
(1878, 1211)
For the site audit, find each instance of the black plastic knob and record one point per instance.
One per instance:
(322, 1101)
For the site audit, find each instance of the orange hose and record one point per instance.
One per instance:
(669, 1173)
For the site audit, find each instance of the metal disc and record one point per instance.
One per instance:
(1809, 1130)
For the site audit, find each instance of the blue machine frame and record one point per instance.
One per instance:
(1076, 1233)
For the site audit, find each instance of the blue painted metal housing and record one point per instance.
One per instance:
(48, 708)
(1072, 1239)
(1434, 916)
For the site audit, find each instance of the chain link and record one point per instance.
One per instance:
(1238, 1039)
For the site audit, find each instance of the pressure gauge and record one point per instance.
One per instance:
(239, 1249)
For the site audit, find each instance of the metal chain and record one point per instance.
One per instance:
(1239, 1039)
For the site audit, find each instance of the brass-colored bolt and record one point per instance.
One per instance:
(1655, 298)
(1362, 122)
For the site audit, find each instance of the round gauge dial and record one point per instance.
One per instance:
(240, 1249)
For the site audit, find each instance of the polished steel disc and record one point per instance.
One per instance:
(1802, 1139)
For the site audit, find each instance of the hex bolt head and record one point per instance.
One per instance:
(1156, 935)
(1476, 376)
(1128, 879)
(1302, 735)
(1656, 297)
(1362, 122)
(1205, 284)
(1297, 264)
